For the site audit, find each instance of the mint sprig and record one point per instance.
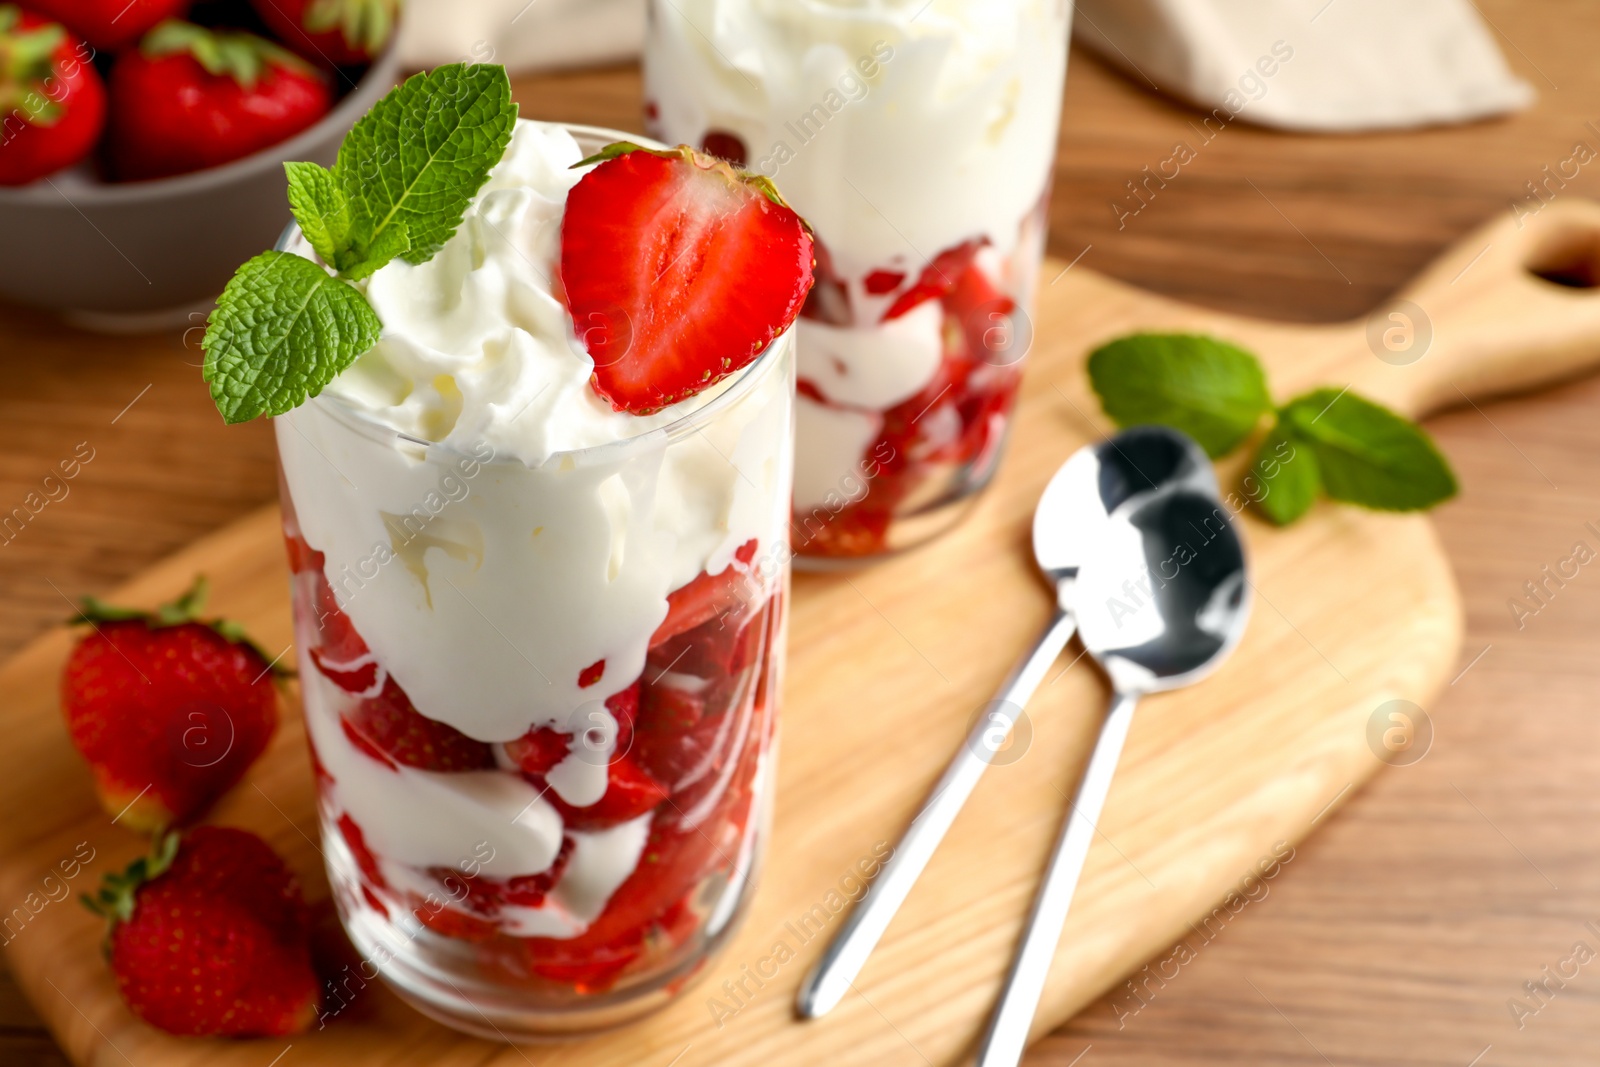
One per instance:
(284, 327)
(1325, 441)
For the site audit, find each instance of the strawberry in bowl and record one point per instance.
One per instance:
(52, 97)
(334, 32)
(191, 98)
(110, 25)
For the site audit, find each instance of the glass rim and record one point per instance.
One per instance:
(734, 388)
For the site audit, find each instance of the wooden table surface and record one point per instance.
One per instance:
(1406, 929)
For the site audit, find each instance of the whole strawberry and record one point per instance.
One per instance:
(335, 32)
(52, 102)
(210, 937)
(110, 25)
(189, 98)
(168, 710)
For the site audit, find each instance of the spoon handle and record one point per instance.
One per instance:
(1007, 1036)
(843, 959)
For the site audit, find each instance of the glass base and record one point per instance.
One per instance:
(905, 533)
(495, 1011)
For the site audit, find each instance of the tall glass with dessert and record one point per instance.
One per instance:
(917, 136)
(537, 523)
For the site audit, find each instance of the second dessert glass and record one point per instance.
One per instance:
(917, 137)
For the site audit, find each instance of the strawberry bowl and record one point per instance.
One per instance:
(151, 255)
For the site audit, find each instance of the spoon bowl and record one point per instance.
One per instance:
(1099, 479)
(1166, 601)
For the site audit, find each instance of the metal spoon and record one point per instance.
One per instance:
(1161, 606)
(1095, 481)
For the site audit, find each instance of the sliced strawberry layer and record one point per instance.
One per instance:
(388, 723)
(365, 860)
(954, 426)
(707, 596)
(485, 896)
(591, 674)
(538, 751)
(679, 270)
(883, 282)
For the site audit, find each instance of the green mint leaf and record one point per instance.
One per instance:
(282, 330)
(422, 153)
(1367, 454)
(1285, 475)
(321, 209)
(393, 241)
(1211, 390)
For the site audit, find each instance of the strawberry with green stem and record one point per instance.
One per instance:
(52, 101)
(210, 937)
(169, 710)
(337, 32)
(190, 98)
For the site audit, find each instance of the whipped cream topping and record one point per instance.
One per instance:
(494, 530)
(897, 128)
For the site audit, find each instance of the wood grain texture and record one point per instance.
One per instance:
(1397, 935)
(1352, 610)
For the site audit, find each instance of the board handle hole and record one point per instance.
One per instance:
(1570, 260)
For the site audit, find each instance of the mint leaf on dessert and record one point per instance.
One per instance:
(320, 207)
(282, 330)
(1367, 454)
(1211, 390)
(1287, 470)
(421, 154)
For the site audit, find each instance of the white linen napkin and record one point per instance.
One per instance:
(524, 35)
(1313, 65)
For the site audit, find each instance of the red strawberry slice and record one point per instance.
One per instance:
(340, 653)
(624, 707)
(530, 890)
(591, 674)
(356, 841)
(485, 896)
(538, 751)
(389, 723)
(883, 282)
(707, 596)
(984, 313)
(630, 793)
(937, 278)
(679, 270)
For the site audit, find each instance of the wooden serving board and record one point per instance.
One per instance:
(887, 667)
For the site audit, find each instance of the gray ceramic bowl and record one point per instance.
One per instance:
(142, 255)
